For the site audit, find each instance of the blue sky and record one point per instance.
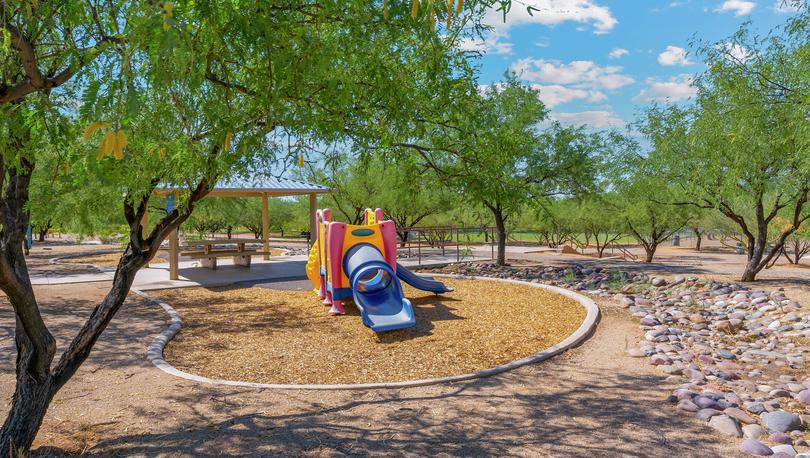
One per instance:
(598, 61)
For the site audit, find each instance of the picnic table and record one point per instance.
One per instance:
(212, 249)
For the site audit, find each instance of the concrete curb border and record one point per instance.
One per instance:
(155, 350)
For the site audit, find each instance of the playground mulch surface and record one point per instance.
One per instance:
(273, 336)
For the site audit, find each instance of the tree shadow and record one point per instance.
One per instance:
(486, 417)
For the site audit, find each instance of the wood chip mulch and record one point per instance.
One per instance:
(274, 336)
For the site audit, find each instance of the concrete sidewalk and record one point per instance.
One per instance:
(277, 268)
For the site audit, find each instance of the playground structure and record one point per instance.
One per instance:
(360, 262)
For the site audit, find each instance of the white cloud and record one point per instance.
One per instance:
(617, 53)
(492, 44)
(670, 90)
(583, 74)
(736, 51)
(739, 7)
(598, 119)
(786, 6)
(553, 12)
(674, 55)
(554, 94)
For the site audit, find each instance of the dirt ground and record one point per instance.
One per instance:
(591, 401)
(271, 336)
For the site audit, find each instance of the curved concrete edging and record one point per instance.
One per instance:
(585, 330)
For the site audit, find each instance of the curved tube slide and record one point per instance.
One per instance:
(376, 290)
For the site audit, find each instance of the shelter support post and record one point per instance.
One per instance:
(265, 226)
(313, 223)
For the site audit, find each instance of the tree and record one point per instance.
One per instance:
(600, 219)
(797, 246)
(407, 192)
(187, 93)
(492, 152)
(555, 223)
(744, 144)
(644, 200)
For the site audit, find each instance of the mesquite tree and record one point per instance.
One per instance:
(175, 94)
(497, 155)
(743, 147)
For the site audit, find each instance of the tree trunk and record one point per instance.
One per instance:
(650, 251)
(500, 226)
(33, 395)
(42, 234)
(699, 236)
(28, 406)
(35, 344)
(756, 251)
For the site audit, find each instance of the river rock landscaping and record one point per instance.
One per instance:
(735, 353)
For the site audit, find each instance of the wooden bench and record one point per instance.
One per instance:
(208, 255)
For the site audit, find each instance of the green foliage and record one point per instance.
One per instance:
(406, 191)
(742, 148)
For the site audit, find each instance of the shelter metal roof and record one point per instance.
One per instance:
(272, 186)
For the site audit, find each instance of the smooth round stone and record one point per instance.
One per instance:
(732, 398)
(726, 425)
(779, 393)
(804, 396)
(704, 402)
(687, 405)
(706, 414)
(694, 375)
(660, 360)
(671, 369)
(795, 387)
(785, 449)
(683, 393)
(636, 353)
(755, 447)
(759, 299)
(743, 417)
(726, 355)
(780, 438)
(754, 431)
(755, 408)
(781, 421)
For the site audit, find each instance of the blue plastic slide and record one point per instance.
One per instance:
(421, 282)
(377, 291)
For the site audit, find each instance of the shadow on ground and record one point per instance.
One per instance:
(482, 418)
